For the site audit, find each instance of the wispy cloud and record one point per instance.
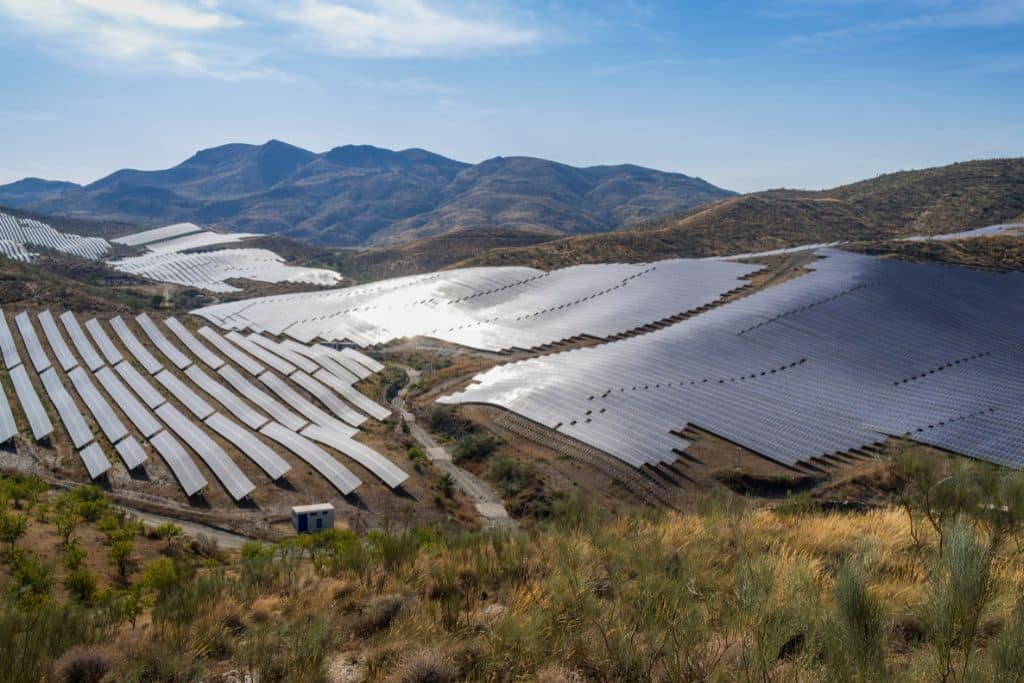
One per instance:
(614, 69)
(138, 34)
(406, 85)
(400, 29)
(947, 15)
(228, 40)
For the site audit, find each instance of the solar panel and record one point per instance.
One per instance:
(235, 405)
(232, 352)
(361, 358)
(53, 336)
(233, 479)
(185, 471)
(101, 411)
(328, 398)
(131, 453)
(7, 345)
(140, 385)
(323, 357)
(247, 443)
(337, 474)
(107, 348)
(384, 469)
(28, 335)
(136, 239)
(304, 407)
(74, 423)
(353, 395)
(261, 354)
(177, 358)
(38, 420)
(190, 399)
(196, 347)
(137, 413)
(284, 353)
(269, 404)
(135, 347)
(85, 349)
(95, 461)
(8, 428)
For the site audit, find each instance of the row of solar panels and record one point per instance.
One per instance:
(211, 270)
(494, 309)
(28, 231)
(329, 430)
(15, 251)
(856, 351)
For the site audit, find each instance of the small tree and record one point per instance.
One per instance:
(170, 532)
(66, 520)
(12, 528)
(120, 555)
(446, 483)
(160, 576)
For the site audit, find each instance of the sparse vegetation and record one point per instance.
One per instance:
(924, 589)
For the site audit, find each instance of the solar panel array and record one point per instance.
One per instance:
(28, 231)
(196, 241)
(211, 270)
(137, 239)
(835, 360)
(494, 309)
(148, 411)
(16, 251)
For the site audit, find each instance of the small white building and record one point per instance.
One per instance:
(312, 518)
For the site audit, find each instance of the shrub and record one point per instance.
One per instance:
(797, 504)
(81, 585)
(474, 446)
(82, 665)
(29, 642)
(160, 576)
(31, 580)
(446, 484)
(120, 555)
(426, 666)
(377, 614)
(855, 630)
(511, 476)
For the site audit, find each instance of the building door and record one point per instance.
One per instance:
(303, 522)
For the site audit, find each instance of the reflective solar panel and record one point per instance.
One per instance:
(233, 479)
(223, 395)
(283, 352)
(381, 467)
(53, 336)
(7, 346)
(185, 471)
(28, 335)
(101, 411)
(353, 395)
(140, 385)
(281, 389)
(85, 349)
(196, 347)
(269, 404)
(179, 390)
(74, 423)
(333, 471)
(137, 413)
(38, 420)
(177, 358)
(247, 443)
(328, 398)
(131, 453)
(95, 460)
(134, 346)
(8, 428)
(233, 353)
(261, 354)
(107, 348)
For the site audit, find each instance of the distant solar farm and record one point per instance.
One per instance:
(169, 255)
(839, 359)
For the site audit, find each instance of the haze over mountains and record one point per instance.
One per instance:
(359, 194)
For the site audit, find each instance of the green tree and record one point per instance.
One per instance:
(160, 576)
(170, 532)
(12, 528)
(66, 519)
(81, 585)
(120, 555)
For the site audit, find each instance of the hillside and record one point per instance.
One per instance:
(358, 194)
(964, 195)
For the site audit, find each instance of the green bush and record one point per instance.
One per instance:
(12, 527)
(31, 580)
(81, 585)
(475, 447)
(511, 476)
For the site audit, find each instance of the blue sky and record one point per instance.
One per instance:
(748, 95)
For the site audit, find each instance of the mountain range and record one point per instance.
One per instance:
(358, 195)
